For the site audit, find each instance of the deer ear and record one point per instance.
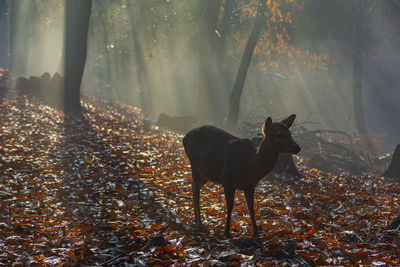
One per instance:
(289, 120)
(267, 126)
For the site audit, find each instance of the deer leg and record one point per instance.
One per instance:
(197, 183)
(250, 204)
(229, 197)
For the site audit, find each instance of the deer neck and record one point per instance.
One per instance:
(266, 158)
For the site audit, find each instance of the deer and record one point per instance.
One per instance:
(236, 163)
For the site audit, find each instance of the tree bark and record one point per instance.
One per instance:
(224, 78)
(4, 38)
(106, 41)
(226, 27)
(13, 31)
(18, 39)
(144, 77)
(234, 100)
(206, 43)
(357, 83)
(75, 50)
(36, 66)
(357, 79)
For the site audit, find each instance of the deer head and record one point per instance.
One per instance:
(278, 135)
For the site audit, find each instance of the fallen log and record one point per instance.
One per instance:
(331, 164)
(181, 124)
(45, 87)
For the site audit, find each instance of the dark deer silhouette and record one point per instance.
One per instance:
(236, 163)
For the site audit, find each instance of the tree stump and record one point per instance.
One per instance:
(285, 164)
(393, 171)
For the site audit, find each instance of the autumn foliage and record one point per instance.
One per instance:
(98, 188)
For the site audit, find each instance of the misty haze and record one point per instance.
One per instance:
(130, 128)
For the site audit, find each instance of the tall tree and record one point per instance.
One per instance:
(359, 13)
(234, 100)
(144, 78)
(106, 40)
(36, 23)
(75, 50)
(226, 27)
(18, 38)
(207, 47)
(352, 32)
(211, 44)
(224, 77)
(4, 29)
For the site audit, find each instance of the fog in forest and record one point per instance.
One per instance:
(163, 55)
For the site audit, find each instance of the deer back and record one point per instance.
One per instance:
(213, 151)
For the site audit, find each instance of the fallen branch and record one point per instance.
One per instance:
(330, 131)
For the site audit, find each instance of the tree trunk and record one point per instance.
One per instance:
(18, 39)
(357, 83)
(144, 78)
(226, 27)
(357, 72)
(393, 171)
(36, 66)
(106, 41)
(116, 60)
(13, 32)
(224, 78)
(4, 38)
(75, 50)
(206, 43)
(234, 100)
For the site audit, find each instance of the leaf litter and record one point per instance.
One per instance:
(98, 188)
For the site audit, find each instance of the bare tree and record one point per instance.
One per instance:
(206, 44)
(18, 40)
(75, 50)
(234, 100)
(144, 78)
(106, 41)
(359, 14)
(4, 29)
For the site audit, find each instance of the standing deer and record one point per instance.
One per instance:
(236, 163)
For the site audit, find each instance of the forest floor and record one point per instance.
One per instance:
(96, 189)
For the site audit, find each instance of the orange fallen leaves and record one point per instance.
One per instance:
(98, 188)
